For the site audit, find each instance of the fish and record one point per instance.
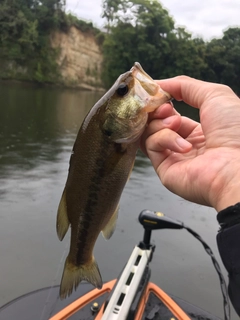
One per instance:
(101, 162)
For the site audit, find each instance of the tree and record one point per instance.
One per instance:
(186, 55)
(110, 10)
(139, 31)
(142, 30)
(24, 37)
(223, 58)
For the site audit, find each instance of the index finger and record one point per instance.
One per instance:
(164, 111)
(194, 92)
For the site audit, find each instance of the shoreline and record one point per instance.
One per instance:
(29, 83)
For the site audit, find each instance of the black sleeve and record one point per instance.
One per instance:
(228, 241)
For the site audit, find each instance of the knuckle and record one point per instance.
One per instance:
(183, 77)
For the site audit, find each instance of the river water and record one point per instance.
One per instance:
(37, 130)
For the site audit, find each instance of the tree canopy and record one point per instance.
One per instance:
(24, 38)
(142, 30)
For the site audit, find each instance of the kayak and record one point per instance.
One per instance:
(132, 296)
(159, 305)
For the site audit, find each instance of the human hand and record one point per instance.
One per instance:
(198, 161)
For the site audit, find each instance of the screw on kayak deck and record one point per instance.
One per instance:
(95, 307)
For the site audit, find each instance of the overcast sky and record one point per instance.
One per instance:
(205, 18)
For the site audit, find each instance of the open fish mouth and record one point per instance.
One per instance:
(147, 89)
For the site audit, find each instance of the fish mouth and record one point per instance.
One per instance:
(147, 90)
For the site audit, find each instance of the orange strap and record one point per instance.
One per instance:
(172, 306)
(81, 302)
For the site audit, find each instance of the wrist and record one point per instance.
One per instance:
(229, 197)
(225, 186)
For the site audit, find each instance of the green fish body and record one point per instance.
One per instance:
(101, 162)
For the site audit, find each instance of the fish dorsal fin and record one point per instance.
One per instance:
(62, 218)
(111, 225)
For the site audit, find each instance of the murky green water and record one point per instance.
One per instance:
(37, 131)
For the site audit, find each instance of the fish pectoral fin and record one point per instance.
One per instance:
(73, 275)
(62, 218)
(111, 225)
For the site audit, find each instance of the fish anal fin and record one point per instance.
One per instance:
(111, 225)
(73, 275)
(62, 218)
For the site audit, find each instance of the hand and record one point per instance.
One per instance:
(198, 161)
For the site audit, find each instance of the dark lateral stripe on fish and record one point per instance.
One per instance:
(90, 207)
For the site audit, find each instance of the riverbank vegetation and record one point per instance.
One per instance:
(25, 51)
(135, 30)
(25, 48)
(142, 30)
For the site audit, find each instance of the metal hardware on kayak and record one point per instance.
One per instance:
(152, 220)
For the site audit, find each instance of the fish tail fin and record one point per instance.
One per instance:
(73, 275)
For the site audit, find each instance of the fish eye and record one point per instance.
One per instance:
(122, 89)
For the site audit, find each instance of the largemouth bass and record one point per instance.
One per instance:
(102, 159)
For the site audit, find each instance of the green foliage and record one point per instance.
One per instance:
(38, 76)
(223, 58)
(24, 37)
(84, 26)
(186, 55)
(142, 30)
(25, 50)
(139, 34)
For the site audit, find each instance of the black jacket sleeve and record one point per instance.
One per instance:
(228, 241)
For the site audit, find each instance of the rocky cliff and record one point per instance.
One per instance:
(79, 59)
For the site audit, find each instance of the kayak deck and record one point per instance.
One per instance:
(45, 303)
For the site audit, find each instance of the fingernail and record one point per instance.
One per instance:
(167, 120)
(182, 143)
